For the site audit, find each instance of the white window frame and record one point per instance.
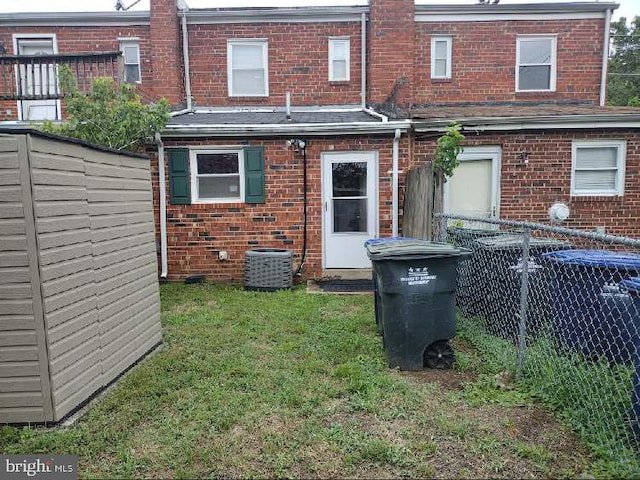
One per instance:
(621, 147)
(131, 42)
(449, 59)
(332, 42)
(34, 36)
(193, 168)
(265, 64)
(553, 64)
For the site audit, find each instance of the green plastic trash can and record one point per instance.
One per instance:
(416, 283)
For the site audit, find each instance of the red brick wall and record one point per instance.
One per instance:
(166, 56)
(82, 39)
(197, 232)
(298, 62)
(528, 190)
(391, 44)
(484, 61)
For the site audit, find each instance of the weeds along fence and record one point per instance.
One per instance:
(561, 308)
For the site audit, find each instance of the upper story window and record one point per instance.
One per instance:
(248, 68)
(536, 64)
(598, 167)
(339, 59)
(217, 176)
(39, 79)
(130, 48)
(441, 57)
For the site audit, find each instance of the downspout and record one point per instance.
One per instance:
(605, 59)
(394, 182)
(163, 207)
(363, 93)
(185, 55)
(305, 197)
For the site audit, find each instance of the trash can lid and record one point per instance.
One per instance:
(512, 242)
(378, 241)
(632, 284)
(382, 248)
(596, 258)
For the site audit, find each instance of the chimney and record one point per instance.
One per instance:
(391, 53)
(166, 57)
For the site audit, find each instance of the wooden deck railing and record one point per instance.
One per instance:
(35, 77)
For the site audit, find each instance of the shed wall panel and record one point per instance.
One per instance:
(21, 397)
(124, 255)
(68, 287)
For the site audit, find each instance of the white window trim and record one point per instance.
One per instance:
(554, 57)
(27, 36)
(265, 64)
(449, 40)
(193, 167)
(621, 146)
(130, 42)
(332, 42)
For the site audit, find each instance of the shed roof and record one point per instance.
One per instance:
(20, 129)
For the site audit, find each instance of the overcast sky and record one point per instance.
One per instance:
(628, 8)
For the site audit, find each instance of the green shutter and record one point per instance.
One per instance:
(179, 191)
(254, 175)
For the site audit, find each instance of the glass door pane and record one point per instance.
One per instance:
(349, 189)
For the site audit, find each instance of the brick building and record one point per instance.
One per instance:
(293, 127)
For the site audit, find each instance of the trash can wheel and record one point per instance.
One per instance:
(439, 355)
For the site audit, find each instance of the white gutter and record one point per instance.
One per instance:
(222, 130)
(363, 66)
(185, 56)
(605, 59)
(394, 181)
(163, 207)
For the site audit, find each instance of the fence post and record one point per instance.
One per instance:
(524, 295)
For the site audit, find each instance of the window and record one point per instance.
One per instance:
(339, 59)
(598, 168)
(131, 51)
(536, 64)
(217, 176)
(39, 79)
(247, 68)
(441, 57)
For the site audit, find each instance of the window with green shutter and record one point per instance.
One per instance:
(217, 176)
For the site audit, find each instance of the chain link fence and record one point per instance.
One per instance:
(561, 309)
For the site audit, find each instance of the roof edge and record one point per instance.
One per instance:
(138, 17)
(282, 14)
(497, 9)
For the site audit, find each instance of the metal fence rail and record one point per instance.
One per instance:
(561, 308)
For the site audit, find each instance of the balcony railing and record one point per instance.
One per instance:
(35, 77)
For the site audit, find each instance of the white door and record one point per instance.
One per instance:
(474, 188)
(350, 199)
(38, 79)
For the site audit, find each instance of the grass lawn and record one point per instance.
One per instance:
(288, 384)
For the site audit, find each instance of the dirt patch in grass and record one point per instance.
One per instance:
(445, 379)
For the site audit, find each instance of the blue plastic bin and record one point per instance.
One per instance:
(591, 312)
(632, 286)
